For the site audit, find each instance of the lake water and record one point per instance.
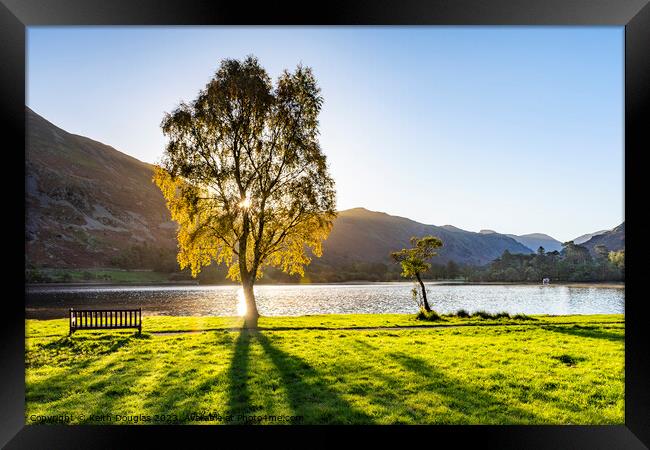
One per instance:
(46, 302)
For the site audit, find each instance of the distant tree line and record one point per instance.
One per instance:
(573, 263)
(318, 272)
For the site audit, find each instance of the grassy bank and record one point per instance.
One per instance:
(332, 369)
(94, 276)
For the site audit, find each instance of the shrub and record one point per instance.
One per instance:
(522, 317)
(483, 315)
(431, 316)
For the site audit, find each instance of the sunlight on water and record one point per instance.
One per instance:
(241, 303)
(49, 302)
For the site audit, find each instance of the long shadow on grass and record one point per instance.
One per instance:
(308, 394)
(176, 396)
(83, 352)
(590, 332)
(471, 402)
(239, 400)
(94, 344)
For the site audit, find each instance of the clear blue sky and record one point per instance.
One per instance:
(516, 129)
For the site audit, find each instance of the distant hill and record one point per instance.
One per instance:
(613, 239)
(87, 202)
(532, 241)
(362, 235)
(535, 240)
(585, 237)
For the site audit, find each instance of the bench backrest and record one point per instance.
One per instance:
(97, 319)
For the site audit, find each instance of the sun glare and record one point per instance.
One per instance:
(245, 203)
(241, 303)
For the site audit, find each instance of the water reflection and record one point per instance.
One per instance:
(282, 300)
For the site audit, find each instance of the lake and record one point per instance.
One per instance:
(47, 302)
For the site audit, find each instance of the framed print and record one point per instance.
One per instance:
(379, 219)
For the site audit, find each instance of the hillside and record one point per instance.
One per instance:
(89, 204)
(86, 202)
(535, 240)
(613, 239)
(362, 235)
(585, 237)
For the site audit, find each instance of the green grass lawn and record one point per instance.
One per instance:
(551, 370)
(101, 276)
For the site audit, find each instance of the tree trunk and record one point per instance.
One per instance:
(251, 316)
(427, 308)
(247, 277)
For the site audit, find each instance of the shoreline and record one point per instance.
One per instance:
(378, 320)
(576, 284)
(350, 316)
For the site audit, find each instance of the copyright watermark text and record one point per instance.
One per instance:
(193, 417)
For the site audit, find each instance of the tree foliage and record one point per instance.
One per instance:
(414, 260)
(618, 259)
(244, 175)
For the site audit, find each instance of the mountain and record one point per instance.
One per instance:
(613, 239)
(86, 202)
(535, 240)
(362, 235)
(452, 228)
(532, 241)
(585, 237)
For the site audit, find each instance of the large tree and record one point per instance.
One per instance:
(414, 262)
(244, 175)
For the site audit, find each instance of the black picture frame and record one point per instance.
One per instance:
(16, 15)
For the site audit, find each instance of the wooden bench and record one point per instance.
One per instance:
(105, 319)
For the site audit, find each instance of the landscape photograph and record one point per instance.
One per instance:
(239, 225)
